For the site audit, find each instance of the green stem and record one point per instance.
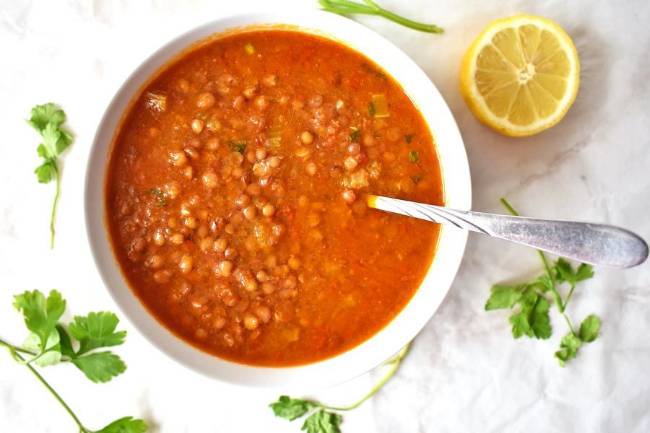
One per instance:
(393, 364)
(35, 357)
(568, 322)
(54, 205)
(14, 352)
(16, 348)
(506, 204)
(346, 7)
(415, 25)
(568, 297)
(556, 295)
(547, 268)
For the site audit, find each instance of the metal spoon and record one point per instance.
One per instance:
(597, 244)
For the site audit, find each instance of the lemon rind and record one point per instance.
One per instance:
(476, 101)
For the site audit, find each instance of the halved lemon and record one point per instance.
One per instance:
(521, 75)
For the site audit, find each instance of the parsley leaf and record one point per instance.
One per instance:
(50, 343)
(290, 408)
(50, 355)
(520, 324)
(532, 319)
(55, 141)
(125, 425)
(96, 330)
(237, 145)
(322, 421)
(41, 314)
(46, 172)
(373, 71)
(161, 199)
(44, 114)
(540, 320)
(47, 119)
(589, 328)
(414, 156)
(502, 297)
(585, 272)
(531, 303)
(520, 321)
(100, 366)
(323, 418)
(569, 347)
(65, 344)
(543, 283)
(566, 273)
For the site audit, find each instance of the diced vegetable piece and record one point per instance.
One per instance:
(156, 101)
(379, 106)
(276, 128)
(249, 48)
(356, 180)
(274, 142)
(374, 169)
(355, 134)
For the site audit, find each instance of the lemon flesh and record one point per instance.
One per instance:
(521, 75)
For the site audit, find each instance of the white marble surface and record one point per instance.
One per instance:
(465, 373)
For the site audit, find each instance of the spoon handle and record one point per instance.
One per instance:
(597, 244)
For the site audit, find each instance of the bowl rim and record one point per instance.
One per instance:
(395, 334)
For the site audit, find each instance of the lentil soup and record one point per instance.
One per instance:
(235, 197)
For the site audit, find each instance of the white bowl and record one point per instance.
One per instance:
(415, 314)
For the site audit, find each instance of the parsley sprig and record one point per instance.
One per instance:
(531, 303)
(370, 7)
(327, 419)
(50, 342)
(47, 119)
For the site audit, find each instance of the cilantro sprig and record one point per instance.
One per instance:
(531, 303)
(47, 119)
(50, 342)
(370, 7)
(322, 418)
